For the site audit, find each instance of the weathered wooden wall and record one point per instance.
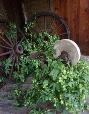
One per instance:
(32, 6)
(76, 14)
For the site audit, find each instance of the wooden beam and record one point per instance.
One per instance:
(14, 11)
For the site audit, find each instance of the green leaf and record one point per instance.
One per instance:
(45, 83)
(54, 73)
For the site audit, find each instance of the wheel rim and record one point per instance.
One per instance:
(51, 23)
(11, 48)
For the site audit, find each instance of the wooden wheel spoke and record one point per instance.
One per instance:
(5, 41)
(9, 40)
(54, 24)
(5, 53)
(19, 42)
(60, 26)
(2, 46)
(16, 37)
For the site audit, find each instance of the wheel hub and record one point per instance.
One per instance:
(18, 49)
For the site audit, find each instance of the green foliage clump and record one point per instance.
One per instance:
(21, 70)
(63, 85)
(24, 69)
(11, 31)
(41, 42)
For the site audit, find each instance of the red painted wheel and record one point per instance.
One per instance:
(51, 23)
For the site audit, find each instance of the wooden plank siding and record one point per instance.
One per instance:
(76, 14)
(84, 26)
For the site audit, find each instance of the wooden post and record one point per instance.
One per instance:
(14, 12)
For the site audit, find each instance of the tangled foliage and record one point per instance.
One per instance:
(63, 85)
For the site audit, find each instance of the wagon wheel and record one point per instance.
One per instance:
(11, 48)
(51, 23)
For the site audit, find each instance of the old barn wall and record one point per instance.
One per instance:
(76, 14)
(33, 6)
